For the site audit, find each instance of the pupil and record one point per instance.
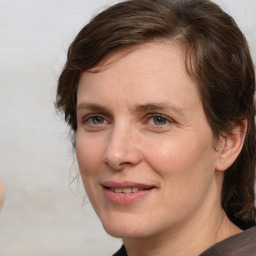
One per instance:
(160, 120)
(97, 120)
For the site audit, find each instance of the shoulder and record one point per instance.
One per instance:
(243, 243)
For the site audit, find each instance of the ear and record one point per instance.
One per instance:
(231, 147)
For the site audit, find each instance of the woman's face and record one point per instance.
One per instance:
(143, 144)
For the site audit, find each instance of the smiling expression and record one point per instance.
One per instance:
(144, 146)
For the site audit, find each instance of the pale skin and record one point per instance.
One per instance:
(141, 121)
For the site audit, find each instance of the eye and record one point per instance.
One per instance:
(159, 120)
(95, 120)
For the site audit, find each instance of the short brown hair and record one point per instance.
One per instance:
(217, 58)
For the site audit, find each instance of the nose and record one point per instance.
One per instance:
(122, 149)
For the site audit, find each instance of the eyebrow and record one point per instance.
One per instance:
(159, 106)
(92, 106)
(138, 108)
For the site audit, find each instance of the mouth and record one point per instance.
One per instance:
(128, 190)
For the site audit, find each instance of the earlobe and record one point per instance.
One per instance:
(231, 147)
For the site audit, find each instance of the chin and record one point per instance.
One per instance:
(114, 232)
(119, 229)
(123, 232)
(127, 226)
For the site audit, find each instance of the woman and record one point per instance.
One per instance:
(160, 98)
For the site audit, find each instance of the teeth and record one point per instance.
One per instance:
(126, 190)
(135, 190)
(118, 190)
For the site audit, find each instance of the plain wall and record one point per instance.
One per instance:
(41, 215)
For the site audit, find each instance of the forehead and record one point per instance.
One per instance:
(149, 73)
(149, 62)
(146, 52)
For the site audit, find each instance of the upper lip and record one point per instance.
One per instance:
(126, 184)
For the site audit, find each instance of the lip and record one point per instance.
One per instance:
(126, 184)
(126, 198)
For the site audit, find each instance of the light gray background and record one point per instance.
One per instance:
(41, 215)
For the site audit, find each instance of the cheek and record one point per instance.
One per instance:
(187, 174)
(89, 154)
(89, 157)
(184, 165)
(168, 157)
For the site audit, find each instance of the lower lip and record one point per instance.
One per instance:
(129, 198)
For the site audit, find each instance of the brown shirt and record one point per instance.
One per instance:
(242, 244)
